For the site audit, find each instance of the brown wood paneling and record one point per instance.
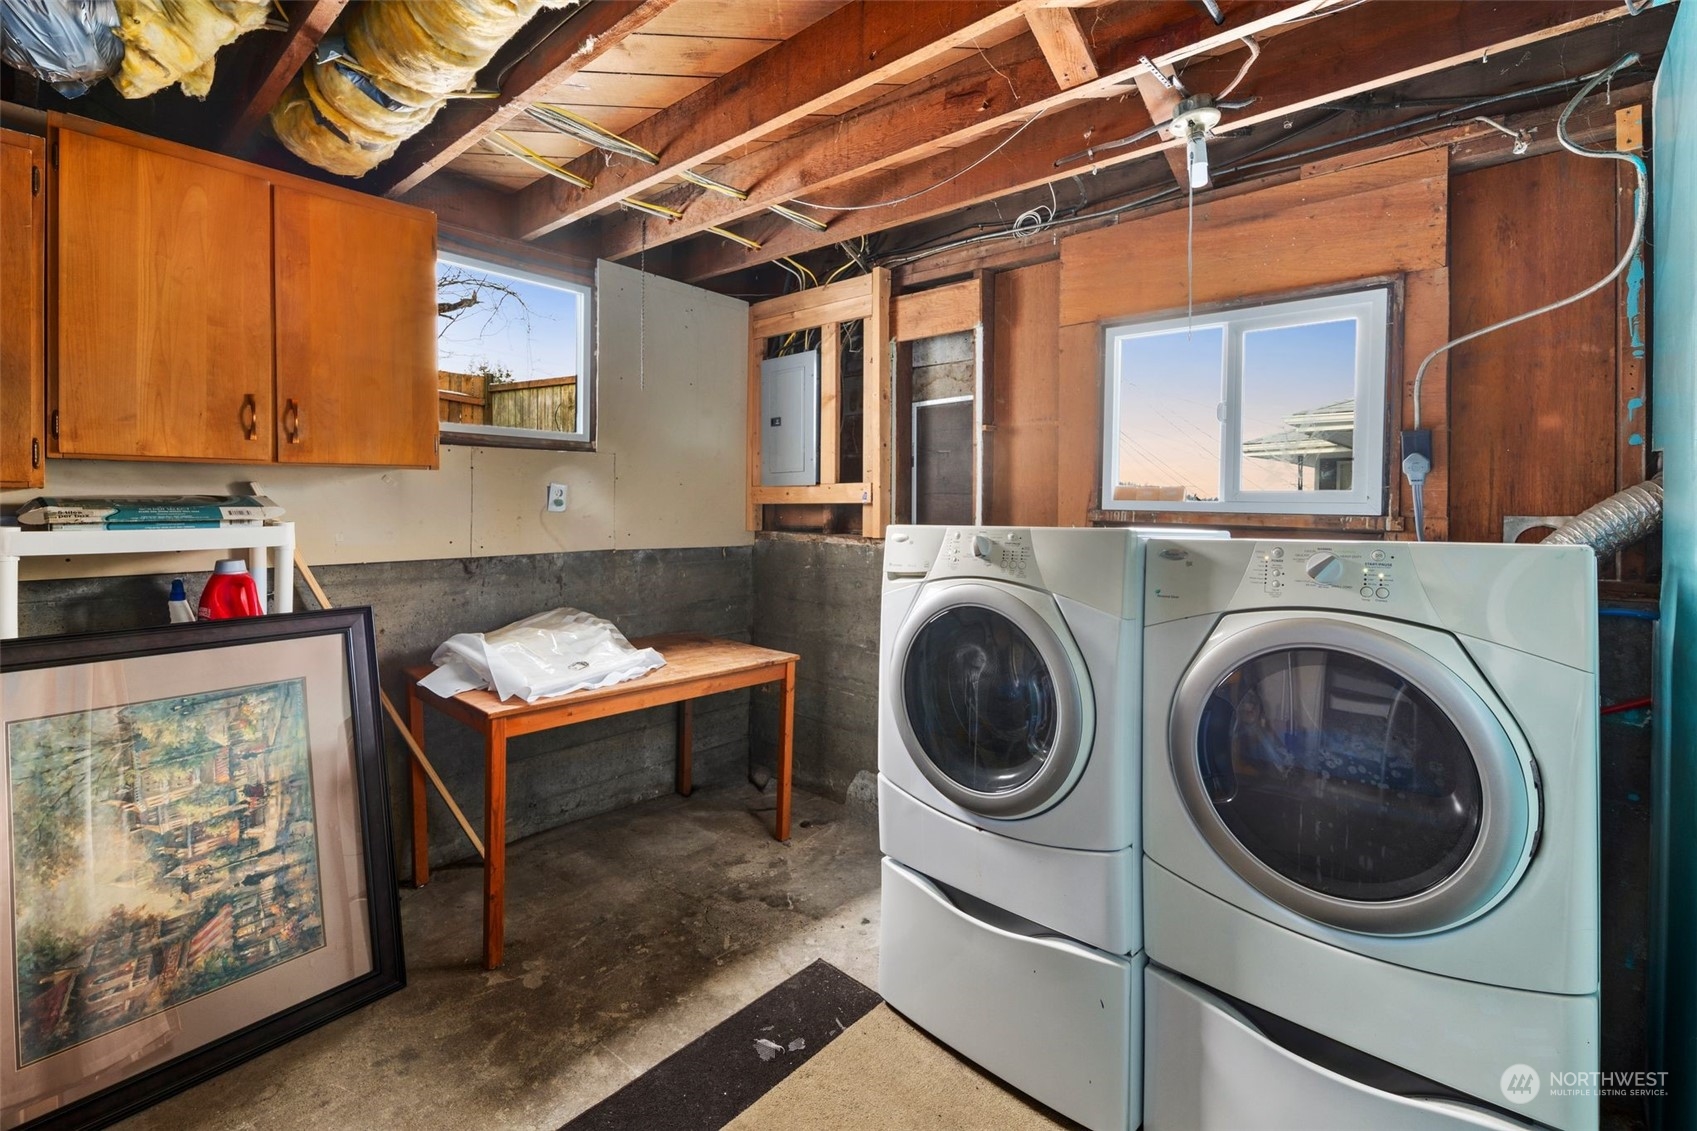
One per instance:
(1372, 222)
(356, 348)
(1025, 443)
(1533, 406)
(23, 295)
(163, 290)
(1383, 218)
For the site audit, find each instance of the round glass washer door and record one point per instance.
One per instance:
(990, 698)
(1351, 776)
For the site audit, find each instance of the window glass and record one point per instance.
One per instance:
(980, 699)
(1298, 408)
(1276, 408)
(513, 356)
(1339, 774)
(1169, 430)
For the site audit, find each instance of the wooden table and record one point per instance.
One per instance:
(695, 666)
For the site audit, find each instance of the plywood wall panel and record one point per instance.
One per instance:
(1382, 218)
(1025, 406)
(1532, 406)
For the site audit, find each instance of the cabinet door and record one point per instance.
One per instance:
(356, 331)
(163, 305)
(23, 274)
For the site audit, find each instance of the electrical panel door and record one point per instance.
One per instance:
(789, 420)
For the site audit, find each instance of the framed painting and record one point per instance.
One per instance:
(195, 860)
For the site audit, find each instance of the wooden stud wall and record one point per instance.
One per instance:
(866, 299)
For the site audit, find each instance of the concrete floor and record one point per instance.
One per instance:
(628, 935)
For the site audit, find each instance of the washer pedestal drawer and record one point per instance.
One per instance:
(1058, 1020)
(1210, 1068)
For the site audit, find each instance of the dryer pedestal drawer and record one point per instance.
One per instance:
(1211, 1069)
(1060, 1021)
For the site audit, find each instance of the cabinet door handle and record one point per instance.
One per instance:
(34, 452)
(250, 416)
(292, 421)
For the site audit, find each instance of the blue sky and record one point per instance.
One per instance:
(535, 340)
(1169, 431)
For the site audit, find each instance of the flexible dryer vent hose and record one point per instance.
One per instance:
(1616, 522)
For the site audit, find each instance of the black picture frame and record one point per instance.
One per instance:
(387, 973)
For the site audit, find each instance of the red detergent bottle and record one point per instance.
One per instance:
(230, 592)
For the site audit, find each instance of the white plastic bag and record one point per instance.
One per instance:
(547, 654)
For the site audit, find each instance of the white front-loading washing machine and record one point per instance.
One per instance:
(1008, 805)
(1370, 819)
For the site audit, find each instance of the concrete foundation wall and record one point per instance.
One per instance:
(555, 777)
(819, 597)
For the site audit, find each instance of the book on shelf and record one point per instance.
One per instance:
(108, 524)
(148, 511)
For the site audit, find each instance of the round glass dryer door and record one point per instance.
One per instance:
(989, 699)
(1351, 776)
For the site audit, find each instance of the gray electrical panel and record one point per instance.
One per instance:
(789, 420)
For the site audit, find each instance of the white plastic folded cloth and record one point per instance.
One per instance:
(547, 654)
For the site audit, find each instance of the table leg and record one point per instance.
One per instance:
(495, 846)
(786, 752)
(686, 746)
(420, 792)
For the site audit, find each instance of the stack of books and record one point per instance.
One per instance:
(148, 512)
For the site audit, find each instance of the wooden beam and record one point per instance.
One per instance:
(589, 33)
(1160, 99)
(875, 419)
(1064, 46)
(940, 310)
(1366, 48)
(858, 46)
(308, 21)
(972, 101)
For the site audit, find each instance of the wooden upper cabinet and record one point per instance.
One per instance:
(163, 305)
(23, 277)
(356, 331)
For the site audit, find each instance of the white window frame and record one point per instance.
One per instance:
(1368, 308)
(501, 436)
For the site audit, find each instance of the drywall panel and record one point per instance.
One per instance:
(668, 471)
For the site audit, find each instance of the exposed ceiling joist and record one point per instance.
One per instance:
(589, 33)
(309, 20)
(1008, 86)
(856, 47)
(1357, 50)
(1064, 46)
(1161, 98)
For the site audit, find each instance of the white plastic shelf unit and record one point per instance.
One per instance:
(278, 539)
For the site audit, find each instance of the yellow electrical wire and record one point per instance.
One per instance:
(651, 208)
(752, 245)
(712, 185)
(580, 127)
(795, 217)
(534, 159)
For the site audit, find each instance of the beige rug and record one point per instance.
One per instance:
(884, 1073)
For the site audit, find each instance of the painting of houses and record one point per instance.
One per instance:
(160, 850)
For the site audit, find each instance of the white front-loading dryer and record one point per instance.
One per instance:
(1371, 801)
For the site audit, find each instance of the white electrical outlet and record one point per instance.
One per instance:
(556, 497)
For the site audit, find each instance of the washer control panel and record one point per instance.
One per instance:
(1285, 572)
(979, 552)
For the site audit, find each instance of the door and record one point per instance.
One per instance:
(163, 305)
(356, 325)
(992, 697)
(23, 270)
(1350, 775)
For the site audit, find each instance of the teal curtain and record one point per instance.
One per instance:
(1673, 984)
